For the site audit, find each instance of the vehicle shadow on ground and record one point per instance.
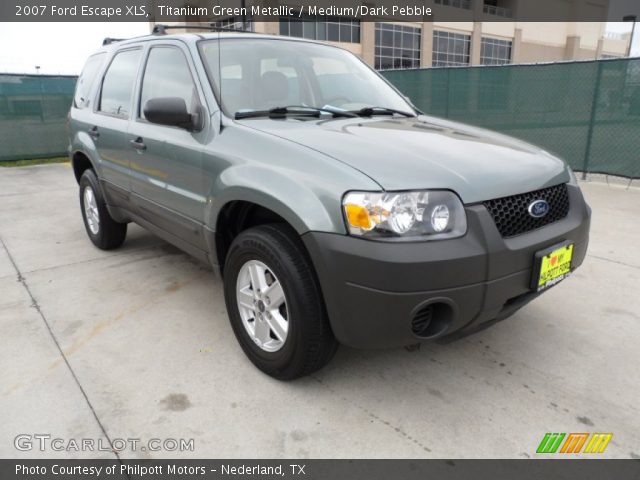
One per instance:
(459, 356)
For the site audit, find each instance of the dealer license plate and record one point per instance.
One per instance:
(552, 266)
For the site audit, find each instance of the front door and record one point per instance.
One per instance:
(166, 162)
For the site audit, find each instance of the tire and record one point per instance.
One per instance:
(104, 232)
(308, 342)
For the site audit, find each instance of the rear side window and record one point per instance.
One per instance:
(85, 81)
(167, 74)
(117, 85)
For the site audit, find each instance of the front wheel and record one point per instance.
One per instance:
(274, 303)
(104, 232)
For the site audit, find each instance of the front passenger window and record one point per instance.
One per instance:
(167, 75)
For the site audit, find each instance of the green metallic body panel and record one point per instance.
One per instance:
(427, 152)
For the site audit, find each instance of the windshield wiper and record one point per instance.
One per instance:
(281, 112)
(369, 111)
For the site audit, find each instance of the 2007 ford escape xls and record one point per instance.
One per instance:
(336, 212)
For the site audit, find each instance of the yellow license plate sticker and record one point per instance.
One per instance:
(555, 266)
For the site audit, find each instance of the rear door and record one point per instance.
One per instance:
(112, 113)
(166, 162)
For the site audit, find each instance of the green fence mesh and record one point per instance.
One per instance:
(33, 112)
(586, 112)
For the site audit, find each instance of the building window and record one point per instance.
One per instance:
(495, 52)
(466, 4)
(397, 46)
(313, 27)
(494, 7)
(450, 49)
(235, 23)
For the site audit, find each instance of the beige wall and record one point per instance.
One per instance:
(549, 34)
(499, 29)
(454, 26)
(536, 52)
(615, 46)
(270, 28)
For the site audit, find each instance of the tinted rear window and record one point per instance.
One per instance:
(86, 79)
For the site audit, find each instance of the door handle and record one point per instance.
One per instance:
(93, 133)
(138, 144)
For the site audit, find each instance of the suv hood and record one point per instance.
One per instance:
(425, 152)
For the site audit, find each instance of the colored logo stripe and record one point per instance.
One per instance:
(574, 442)
(550, 443)
(598, 442)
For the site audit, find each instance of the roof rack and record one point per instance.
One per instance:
(109, 41)
(161, 29)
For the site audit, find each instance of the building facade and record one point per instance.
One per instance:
(494, 40)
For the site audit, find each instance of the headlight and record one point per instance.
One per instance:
(423, 215)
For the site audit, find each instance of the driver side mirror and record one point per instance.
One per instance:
(172, 111)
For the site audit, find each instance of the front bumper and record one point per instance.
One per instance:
(374, 290)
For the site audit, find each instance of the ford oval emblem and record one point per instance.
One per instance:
(538, 208)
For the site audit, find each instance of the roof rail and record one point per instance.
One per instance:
(161, 29)
(109, 41)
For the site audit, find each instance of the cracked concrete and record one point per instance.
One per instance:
(136, 344)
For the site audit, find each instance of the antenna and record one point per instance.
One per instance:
(220, 76)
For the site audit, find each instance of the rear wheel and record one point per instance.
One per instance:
(274, 303)
(104, 232)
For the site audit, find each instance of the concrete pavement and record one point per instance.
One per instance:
(135, 344)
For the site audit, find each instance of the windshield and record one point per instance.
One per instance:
(261, 74)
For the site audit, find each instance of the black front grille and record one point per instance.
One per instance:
(512, 216)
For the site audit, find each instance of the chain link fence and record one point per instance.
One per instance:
(586, 112)
(33, 112)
